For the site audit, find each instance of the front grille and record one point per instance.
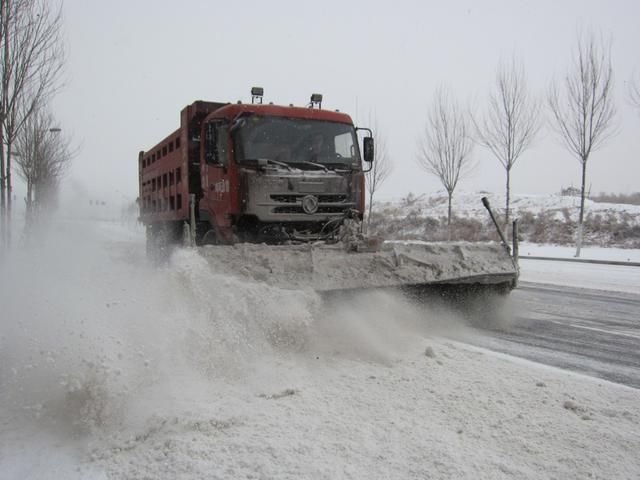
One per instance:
(296, 197)
(291, 209)
(332, 209)
(285, 198)
(327, 203)
(331, 198)
(322, 209)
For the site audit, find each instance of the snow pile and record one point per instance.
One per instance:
(88, 330)
(110, 368)
(458, 414)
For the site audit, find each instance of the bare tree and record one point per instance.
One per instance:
(380, 169)
(584, 111)
(511, 122)
(43, 155)
(31, 59)
(446, 145)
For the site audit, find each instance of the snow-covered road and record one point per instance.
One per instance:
(112, 369)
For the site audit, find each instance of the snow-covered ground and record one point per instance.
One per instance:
(586, 253)
(599, 277)
(468, 205)
(112, 369)
(543, 218)
(620, 278)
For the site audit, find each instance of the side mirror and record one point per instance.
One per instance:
(368, 149)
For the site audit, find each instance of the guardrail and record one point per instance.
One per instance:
(580, 260)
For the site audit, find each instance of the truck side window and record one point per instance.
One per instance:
(209, 143)
(222, 144)
(216, 144)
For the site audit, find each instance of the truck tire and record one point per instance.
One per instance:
(210, 238)
(210, 235)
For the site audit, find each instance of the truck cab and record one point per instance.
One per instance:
(265, 173)
(276, 173)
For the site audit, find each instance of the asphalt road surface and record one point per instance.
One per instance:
(588, 331)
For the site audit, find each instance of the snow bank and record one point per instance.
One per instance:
(617, 278)
(586, 253)
(112, 369)
(459, 413)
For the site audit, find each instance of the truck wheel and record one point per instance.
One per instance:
(210, 238)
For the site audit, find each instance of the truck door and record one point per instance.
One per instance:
(216, 202)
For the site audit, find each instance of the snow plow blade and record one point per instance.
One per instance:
(411, 267)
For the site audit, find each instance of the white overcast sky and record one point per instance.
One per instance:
(133, 65)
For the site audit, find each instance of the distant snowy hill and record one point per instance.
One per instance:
(543, 218)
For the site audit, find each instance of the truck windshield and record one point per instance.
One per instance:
(298, 142)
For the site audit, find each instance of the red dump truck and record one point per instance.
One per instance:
(253, 173)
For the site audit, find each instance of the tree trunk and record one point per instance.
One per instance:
(506, 210)
(8, 179)
(28, 214)
(4, 223)
(2, 197)
(449, 215)
(8, 193)
(30, 193)
(3, 207)
(581, 216)
(369, 214)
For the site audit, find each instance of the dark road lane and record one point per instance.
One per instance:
(588, 331)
